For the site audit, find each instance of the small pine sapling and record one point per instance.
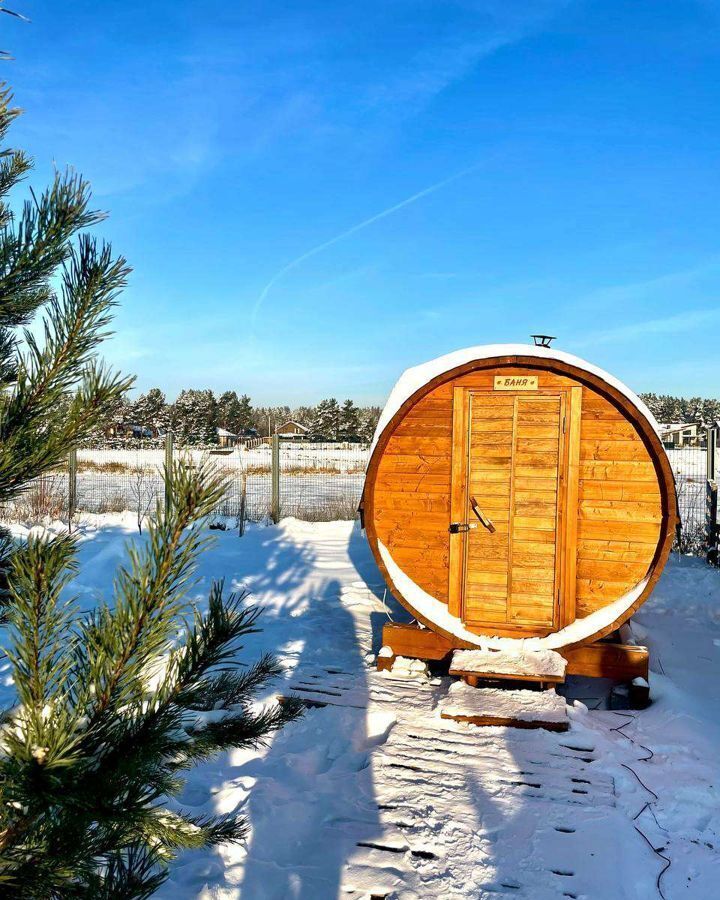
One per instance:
(113, 707)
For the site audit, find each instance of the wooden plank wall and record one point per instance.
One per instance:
(619, 502)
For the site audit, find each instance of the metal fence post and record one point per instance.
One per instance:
(72, 487)
(711, 505)
(275, 498)
(243, 504)
(712, 442)
(168, 470)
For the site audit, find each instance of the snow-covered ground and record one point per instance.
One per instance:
(373, 795)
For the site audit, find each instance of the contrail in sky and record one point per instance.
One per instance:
(355, 228)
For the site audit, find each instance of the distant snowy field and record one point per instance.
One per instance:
(301, 454)
(372, 795)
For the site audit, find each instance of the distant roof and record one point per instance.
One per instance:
(676, 426)
(293, 422)
(222, 432)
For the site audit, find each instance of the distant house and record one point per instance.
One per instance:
(293, 431)
(675, 435)
(128, 430)
(226, 438)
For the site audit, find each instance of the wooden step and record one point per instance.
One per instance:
(497, 706)
(513, 665)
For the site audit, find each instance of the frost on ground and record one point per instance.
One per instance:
(372, 794)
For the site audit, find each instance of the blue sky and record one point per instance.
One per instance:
(315, 195)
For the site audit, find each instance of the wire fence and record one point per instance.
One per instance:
(316, 482)
(696, 476)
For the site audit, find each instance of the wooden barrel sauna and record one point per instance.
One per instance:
(518, 493)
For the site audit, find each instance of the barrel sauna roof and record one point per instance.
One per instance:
(430, 609)
(416, 377)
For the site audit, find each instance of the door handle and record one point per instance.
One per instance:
(481, 515)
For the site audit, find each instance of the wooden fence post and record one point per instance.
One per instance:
(72, 487)
(275, 498)
(168, 470)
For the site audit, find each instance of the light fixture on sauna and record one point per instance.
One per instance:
(543, 340)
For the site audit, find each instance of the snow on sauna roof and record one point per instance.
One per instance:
(413, 379)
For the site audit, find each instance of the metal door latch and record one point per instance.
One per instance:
(461, 527)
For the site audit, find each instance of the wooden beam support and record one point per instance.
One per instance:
(621, 662)
(416, 642)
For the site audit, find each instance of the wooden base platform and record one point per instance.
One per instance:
(620, 662)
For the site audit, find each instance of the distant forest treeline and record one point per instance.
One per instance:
(682, 409)
(196, 415)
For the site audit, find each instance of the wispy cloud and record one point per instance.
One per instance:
(685, 321)
(348, 232)
(649, 288)
(485, 28)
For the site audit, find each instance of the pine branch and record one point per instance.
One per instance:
(149, 592)
(39, 621)
(211, 642)
(36, 428)
(34, 247)
(131, 874)
(245, 730)
(73, 329)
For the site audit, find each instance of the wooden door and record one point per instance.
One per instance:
(514, 480)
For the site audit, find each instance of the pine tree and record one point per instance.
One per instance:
(194, 417)
(369, 417)
(349, 429)
(244, 414)
(109, 422)
(326, 422)
(150, 411)
(183, 419)
(229, 411)
(210, 417)
(304, 415)
(92, 753)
